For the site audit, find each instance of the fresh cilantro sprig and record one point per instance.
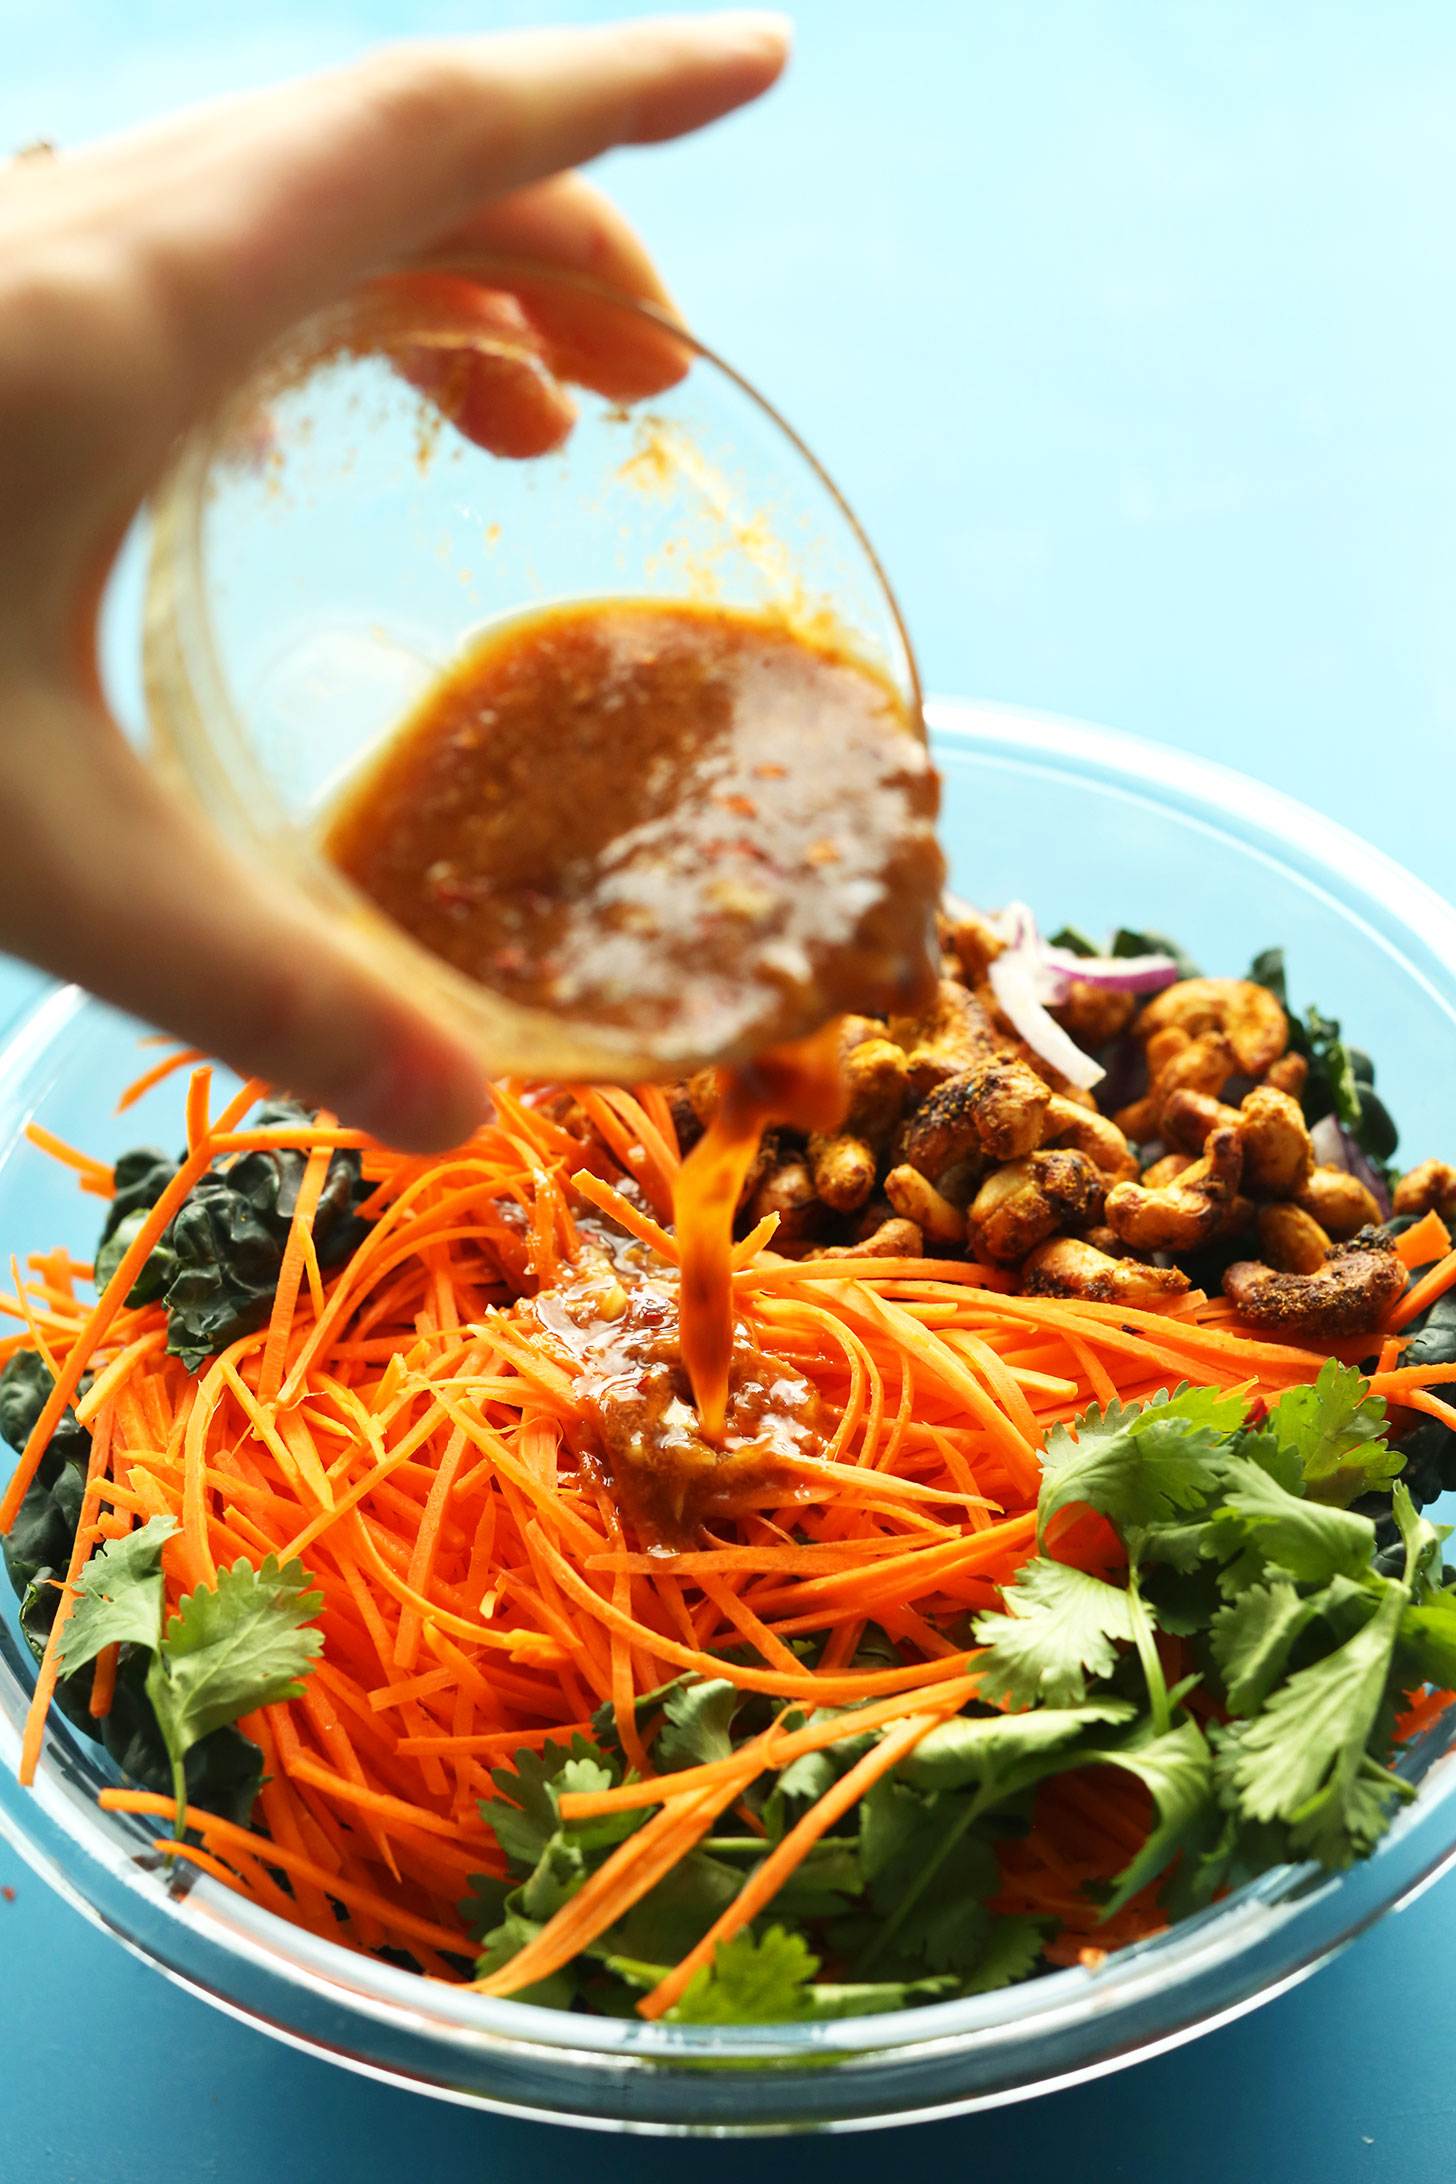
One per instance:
(1239, 1535)
(224, 1650)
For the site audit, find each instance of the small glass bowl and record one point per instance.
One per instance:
(327, 544)
(1093, 827)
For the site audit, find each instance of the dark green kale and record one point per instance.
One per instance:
(44, 1530)
(216, 1265)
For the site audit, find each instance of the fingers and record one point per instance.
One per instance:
(254, 215)
(505, 393)
(566, 222)
(112, 883)
(496, 386)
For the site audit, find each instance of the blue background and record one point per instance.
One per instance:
(1128, 330)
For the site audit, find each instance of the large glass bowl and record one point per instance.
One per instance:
(1089, 826)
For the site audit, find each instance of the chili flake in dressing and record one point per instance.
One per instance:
(686, 822)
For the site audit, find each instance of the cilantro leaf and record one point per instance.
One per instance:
(228, 1650)
(1428, 1643)
(119, 1596)
(1177, 1768)
(699, 1719)
(1422, 1541)
(1312, 1540)
(1140, 1465)
(523, 1814)
(751, 1982)
(674, 1915)
(556, 1992)
(1337, 1428)
(485, 1905)
(1058, 1627)
(1304, 1759)
(1013, 1951)
(907, 1840)
(1252, 1637)
(999, 1753)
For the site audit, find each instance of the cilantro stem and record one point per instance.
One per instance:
(1146, 1642)
(179, 1792)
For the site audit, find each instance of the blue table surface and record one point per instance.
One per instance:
(1128, 332)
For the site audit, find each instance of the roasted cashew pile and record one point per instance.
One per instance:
(959, 1139)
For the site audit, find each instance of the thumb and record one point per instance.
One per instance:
(114, 883)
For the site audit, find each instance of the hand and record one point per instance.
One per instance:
(137, 279)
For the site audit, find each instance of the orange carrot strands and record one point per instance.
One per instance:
(184, 1058)
(95, 1172)
(1429, 1239)
(290, 1273)
(624, 1213)
(1426, 1290)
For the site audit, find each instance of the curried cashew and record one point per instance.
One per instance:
(919, 1201)
(843, 1167)
(1009, 1102)
(1186, 1212)
(1430, 1188)
(1339, 1202)
(1278, 1155)
(893, 1239)
(996, 1108)
(972, 942)
(1248, 1016)
(788, 1190)
(1203, 1065)
(1068, 1266)
(1350, 1294)
(1291, 1240)
(1094, 1015)
(844, 1162)
(1167, 1170)
(1188, 1117)
(953, 1035)
(1088, 1132)
(1289, 1074)
(1028, 1200)
(1108, 1242)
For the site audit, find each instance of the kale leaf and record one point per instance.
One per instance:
(216, 1264)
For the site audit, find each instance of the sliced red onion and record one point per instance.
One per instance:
(1335, 1148)
(1118, 974)
(1021, 986)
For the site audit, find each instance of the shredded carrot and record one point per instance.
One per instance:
(1429, 1239)
(1426, 1290)
(426, 1440)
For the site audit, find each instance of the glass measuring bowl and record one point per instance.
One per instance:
(329, 542)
